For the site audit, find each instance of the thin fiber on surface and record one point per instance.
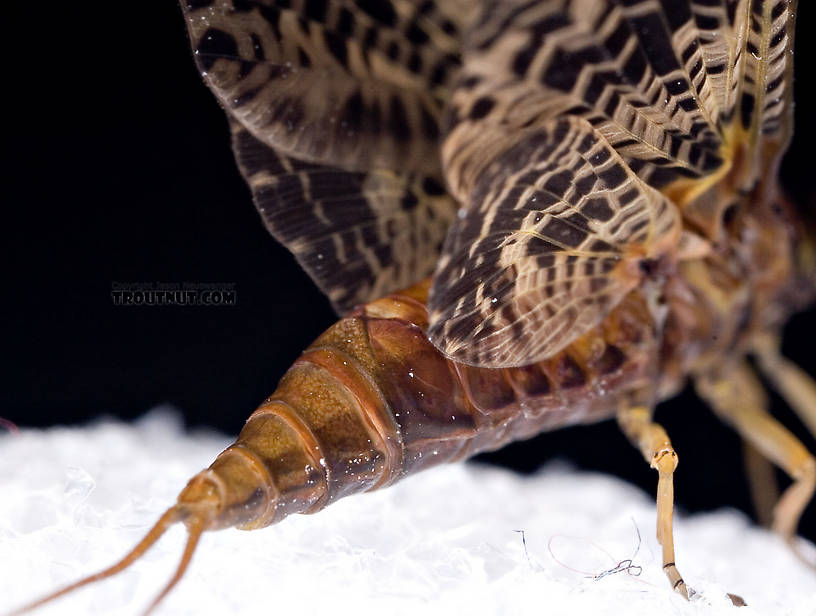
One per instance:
(442, 542)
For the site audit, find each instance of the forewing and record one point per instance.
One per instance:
(681, 94)
(681, 89)
(354, 84)
(335, 108)
(358, 235)
(558, 229)
(766, 85)
(634, 70)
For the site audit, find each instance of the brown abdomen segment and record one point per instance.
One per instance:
(372, 400)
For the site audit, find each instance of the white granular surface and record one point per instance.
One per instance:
(73, 500)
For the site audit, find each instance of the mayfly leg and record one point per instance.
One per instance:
(799, 391)
(762, 482)
(795, 385)
(737, 397)
(653, 442)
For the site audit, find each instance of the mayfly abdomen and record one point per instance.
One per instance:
(372, 400)
(592, 187)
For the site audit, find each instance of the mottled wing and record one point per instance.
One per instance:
(558, 229)
(358, 235)
(335, 108)
(766, 85)
(667, 88)
(669, 83)
(634, 70)
(358, 84)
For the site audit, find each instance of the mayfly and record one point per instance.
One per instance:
(532, 214)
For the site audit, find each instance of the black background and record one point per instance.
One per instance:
(118, 169)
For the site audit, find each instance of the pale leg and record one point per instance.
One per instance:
(762, 482)
(738, 398)
(793, 383)
(636, 423)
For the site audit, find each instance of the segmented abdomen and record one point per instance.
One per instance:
(372, 400)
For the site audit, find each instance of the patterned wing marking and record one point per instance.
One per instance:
(694, 98)
(665, 81)
(558, 230)
(712, 49)
(766, 92)
(351, 83)
(358, 235)
(636, 70)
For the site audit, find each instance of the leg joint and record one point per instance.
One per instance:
(807, 469)
(665, 460)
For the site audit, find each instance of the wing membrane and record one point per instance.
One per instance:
(617, 65)
(358, 235)
(686, 97)
(335, 108)
(562, 121)
(667, 83)
(358, 84)
(544, 251)
(766, 112)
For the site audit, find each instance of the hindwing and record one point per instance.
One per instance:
(686, 97)
(558, 229)
(575, 135)
(358, 235)
(335, 109)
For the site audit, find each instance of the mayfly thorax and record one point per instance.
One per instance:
(530, 215)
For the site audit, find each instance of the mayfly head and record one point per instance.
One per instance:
(799, 223)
